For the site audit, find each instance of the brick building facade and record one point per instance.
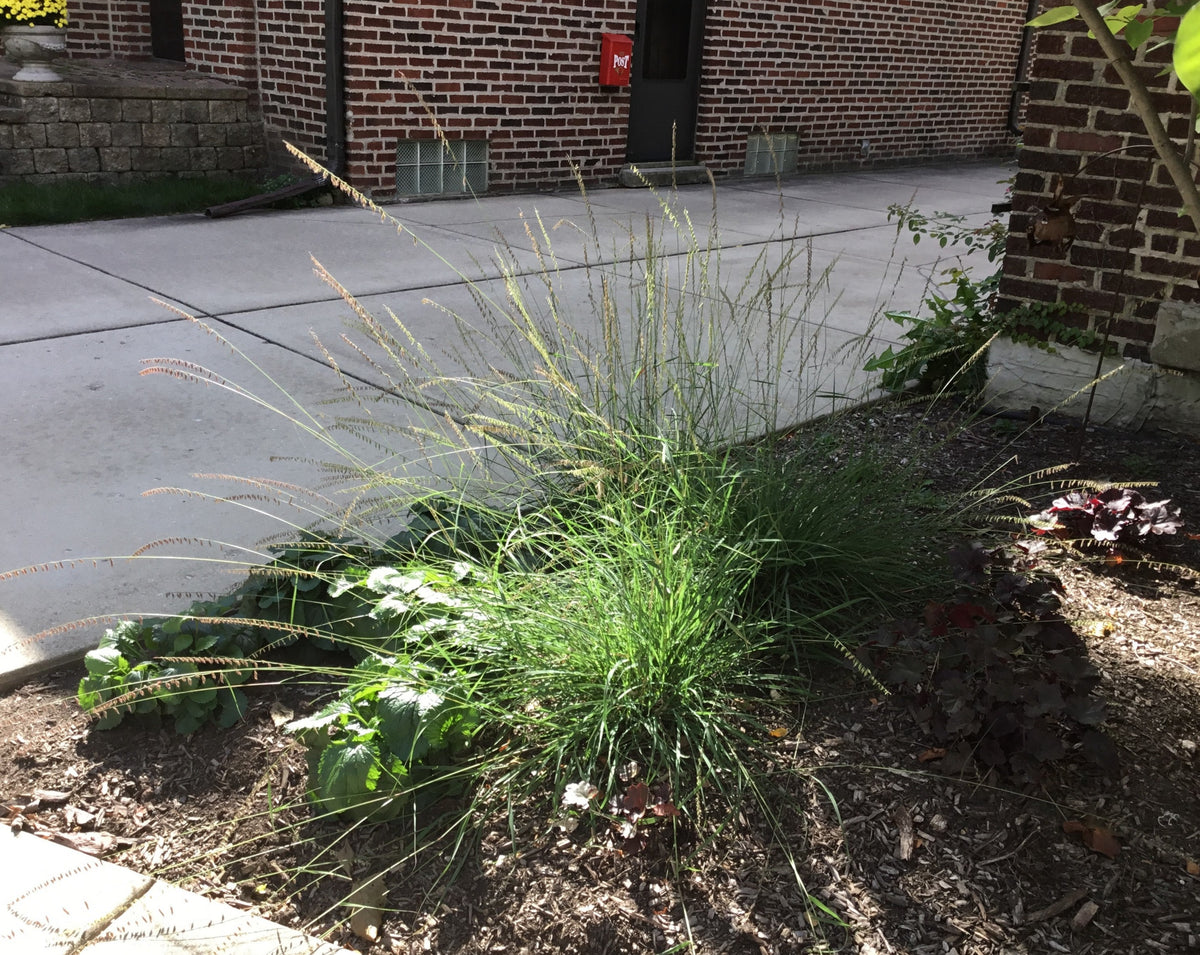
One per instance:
(1133, 266)
(740, 81)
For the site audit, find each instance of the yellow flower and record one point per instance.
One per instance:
(34, 12)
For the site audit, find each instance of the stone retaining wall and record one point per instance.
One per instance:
(126, 132)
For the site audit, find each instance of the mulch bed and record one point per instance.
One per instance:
(909, 860)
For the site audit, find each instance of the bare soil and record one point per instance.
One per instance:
(905, 859)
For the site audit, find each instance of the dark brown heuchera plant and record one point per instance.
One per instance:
(996, 677)
(1117, 515)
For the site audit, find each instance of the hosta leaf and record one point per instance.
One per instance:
(331, 715)
(233, 707)
(347, 773)
(104, 660)
(389, 607)
(399, 708)
(383, 580)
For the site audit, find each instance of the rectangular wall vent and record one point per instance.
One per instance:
(436, 167)
(769, 154)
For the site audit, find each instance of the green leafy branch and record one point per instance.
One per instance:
(1105, 23)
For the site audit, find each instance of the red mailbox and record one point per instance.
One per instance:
(616, 57)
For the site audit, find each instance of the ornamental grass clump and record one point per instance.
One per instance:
(33, 13)
(641, 580)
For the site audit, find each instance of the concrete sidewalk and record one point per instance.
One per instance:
(85, 435)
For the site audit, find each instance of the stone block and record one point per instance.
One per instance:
(83, 159)
(184, 134)
(1177, 337)
(211, 134)
(95, 134)
(174, 159)
(165, 111)
(1131, 394)
(50, 160)
(105, 109)
(240, 134)
(29, 136)
(64, 135)
(6, 136)
(203, 158)
(115, 159)
(136, 110)
(145, 159)
(1177, 402)
(156, 134)
(230, 157)
(126, 134)
(194, 111)
(1021, 377)
(255, 156)
(17, 162)
(74, 109)
(225, 111)
(41, 109)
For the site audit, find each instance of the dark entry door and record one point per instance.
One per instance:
(665, 80)
(166, 29)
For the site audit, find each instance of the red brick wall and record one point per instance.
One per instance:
(911, 78)
(520, 73)
(1132, 248)
(276, 49)
(100, 28)
(914, 78)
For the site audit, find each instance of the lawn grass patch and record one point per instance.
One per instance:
(23, 204)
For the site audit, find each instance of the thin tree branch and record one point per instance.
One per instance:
(1117, 52)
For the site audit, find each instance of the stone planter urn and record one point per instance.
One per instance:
(33, 49)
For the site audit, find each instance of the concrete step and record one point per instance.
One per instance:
(55, 900)
(662, 174)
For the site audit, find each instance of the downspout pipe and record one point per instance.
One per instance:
(335, 87)
(1020, 84)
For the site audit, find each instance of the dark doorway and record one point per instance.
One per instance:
(166, 29)
(665, 80)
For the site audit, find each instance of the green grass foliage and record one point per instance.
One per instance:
(639, 572)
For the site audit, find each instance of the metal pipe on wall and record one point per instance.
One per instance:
(335, 87)
(1020, 84)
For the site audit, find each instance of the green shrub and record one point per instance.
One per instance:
(625, 568)
(945, 345)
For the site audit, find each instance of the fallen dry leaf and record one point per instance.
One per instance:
(281, 714)
(1193, 867)
(937, 752)
(904, 823)
(93, 843)
(1056, 908)
(1096, 838)
(365, 902)
(78, 818)
(779, 732)
(1086, 913)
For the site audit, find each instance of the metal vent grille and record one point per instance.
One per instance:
(436, 167)
(769, 154)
